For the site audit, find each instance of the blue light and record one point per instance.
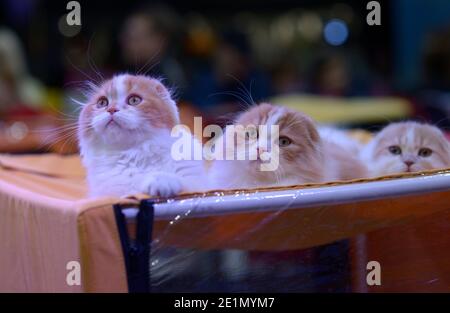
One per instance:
(335, 32)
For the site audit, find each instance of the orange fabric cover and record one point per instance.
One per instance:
(45, 222)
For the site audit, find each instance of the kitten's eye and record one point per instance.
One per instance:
(284, 141)
(396, 150)
(102, 102)
(425, 152)
(134, 100)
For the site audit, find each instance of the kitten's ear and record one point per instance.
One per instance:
(311, 129)
(162, 91)
(164, 94)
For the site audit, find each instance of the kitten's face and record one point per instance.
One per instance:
(409, 147)
(297, 144)
(125, 110)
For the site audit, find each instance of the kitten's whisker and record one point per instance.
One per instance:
(155, 55)
(150, 68)
(249, 98)
(91, 62)
(74, 123)
(72, 117)
(68, 120)
(51, 132)
(79, 70)
(234, 94)
(57, 133)
(50, 142)
(244, 89)
(250, 92)
(78, 102)
(77, 83)
(230, 118)
(242, 96)
(441, 120)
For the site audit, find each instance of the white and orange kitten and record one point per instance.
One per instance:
(125, 142)
(304, 157)
(406, 147)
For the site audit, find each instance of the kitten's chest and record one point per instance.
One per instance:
(131, 163)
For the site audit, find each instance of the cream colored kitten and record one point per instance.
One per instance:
(304, 157)
(406, 147)
(125, 140)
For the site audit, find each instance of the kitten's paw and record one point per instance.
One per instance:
(164, 185)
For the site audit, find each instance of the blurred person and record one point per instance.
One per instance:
(286, 77)
(436, 61)
(147, 44)
(26, 125)
(433, 97)
(221, 88)
(17, 87)
(334, 75)
(330, 77)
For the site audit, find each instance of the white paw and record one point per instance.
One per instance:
(164, 185)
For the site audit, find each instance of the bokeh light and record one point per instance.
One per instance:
(310, 26)
(335, 32)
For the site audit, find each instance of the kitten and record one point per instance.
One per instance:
(125, 140)
(304, 157)
(406, 147)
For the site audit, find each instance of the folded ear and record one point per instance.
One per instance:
(164, 94)
(162, 91)
(310, 127)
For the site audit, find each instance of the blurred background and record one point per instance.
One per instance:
(219, 56)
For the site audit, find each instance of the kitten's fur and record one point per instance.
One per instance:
(410, 137)
(308, 159)
(340, 138)
(125, 148)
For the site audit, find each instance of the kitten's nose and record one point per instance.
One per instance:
(112, 110)
(409, 163)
